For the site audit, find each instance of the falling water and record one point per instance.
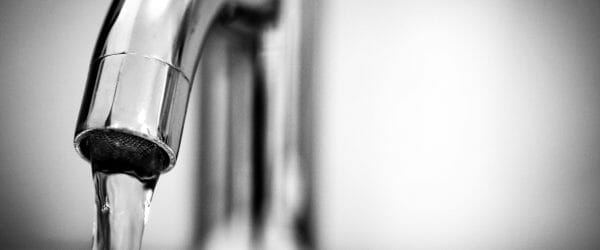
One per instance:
(122, 208)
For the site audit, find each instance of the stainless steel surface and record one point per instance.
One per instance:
(141, 71)
(254, 188)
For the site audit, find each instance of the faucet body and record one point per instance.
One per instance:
(142, 70)
(244, 54)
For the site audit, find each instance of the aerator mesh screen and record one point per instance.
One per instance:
(121, 152)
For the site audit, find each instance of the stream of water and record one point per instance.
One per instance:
(122, 209)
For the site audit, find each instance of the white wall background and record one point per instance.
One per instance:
(459, 124)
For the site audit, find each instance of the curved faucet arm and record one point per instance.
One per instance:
(134, 106)
(170, 31)
(141, 75)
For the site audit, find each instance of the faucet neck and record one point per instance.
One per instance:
(144, 64)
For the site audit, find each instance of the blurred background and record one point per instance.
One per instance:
(438, 124)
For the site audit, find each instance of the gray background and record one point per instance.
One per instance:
(461, 124)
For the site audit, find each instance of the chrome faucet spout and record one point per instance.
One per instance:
(140, 79)
(245, 55)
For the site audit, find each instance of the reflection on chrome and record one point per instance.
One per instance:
(245, 54)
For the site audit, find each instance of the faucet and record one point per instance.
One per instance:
(245, 55)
